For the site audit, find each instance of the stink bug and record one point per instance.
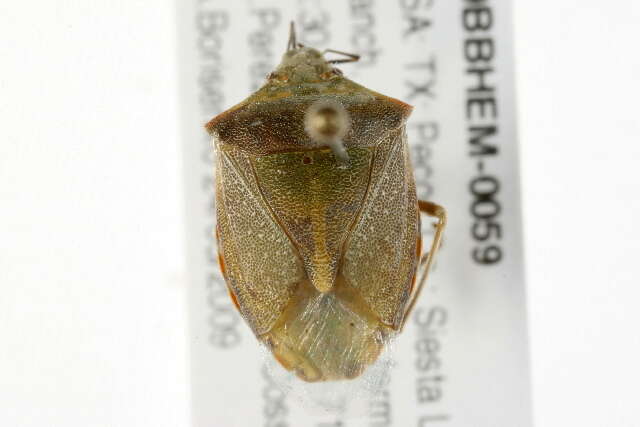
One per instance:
(318, 223)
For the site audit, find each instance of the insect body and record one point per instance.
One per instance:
(317, 217)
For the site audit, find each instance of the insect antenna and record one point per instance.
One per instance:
(293, 42)
(351, 57)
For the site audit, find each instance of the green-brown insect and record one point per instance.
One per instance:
(318, 221)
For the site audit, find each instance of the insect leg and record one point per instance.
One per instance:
(434, 211)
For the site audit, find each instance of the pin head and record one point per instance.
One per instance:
(327, 122)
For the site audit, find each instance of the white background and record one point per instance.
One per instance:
(92, 299)
(578, 74)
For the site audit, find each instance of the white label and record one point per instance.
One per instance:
(463, 358)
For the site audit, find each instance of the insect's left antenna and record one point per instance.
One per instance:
(293, 43)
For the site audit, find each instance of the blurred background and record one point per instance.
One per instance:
(93, 312)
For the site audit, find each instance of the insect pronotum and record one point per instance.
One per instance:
(318, 223)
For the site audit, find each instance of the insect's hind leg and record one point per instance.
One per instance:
(434, 211)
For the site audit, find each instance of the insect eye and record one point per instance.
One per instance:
(281, 77)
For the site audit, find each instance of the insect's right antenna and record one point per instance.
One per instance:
(293, 43)
(351, 57)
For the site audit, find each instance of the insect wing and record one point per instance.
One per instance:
(381, 256)
(261, 266)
